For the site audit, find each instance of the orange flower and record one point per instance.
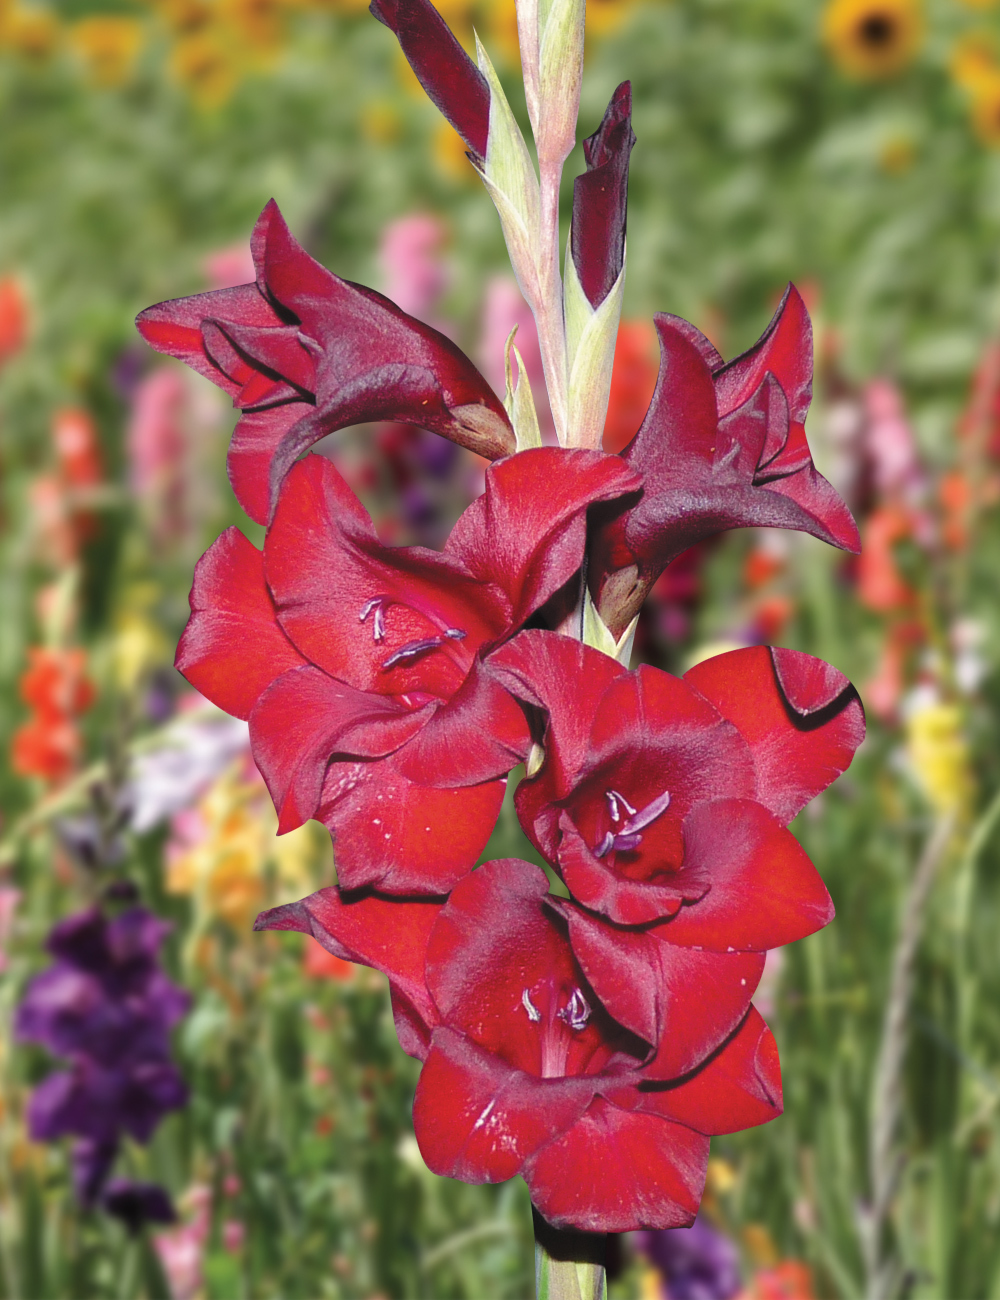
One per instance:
(955, 492)
(632, 382)
(13, 317)
(75, 437)
(789, 1280)
(55, 684)
(45, 747)
(880, 584)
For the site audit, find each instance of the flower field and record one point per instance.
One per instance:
(194, 1110)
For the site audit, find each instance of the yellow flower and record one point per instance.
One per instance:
(205, 64)
(257, 23)
(109, 46)
(973, 59)
(186, 17)
(448, 149)
(604, 16)
(139, 645)
(938, 754)
(873, 38)
(986, 109)
(897, 155)
(721, 1176)
(32, 32)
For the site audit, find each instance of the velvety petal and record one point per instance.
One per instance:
(764, 891)
(174, 327)
(389, 935)
(402, 837)
(327, 571)
(683, 416)
(450, 78)
(256, 438)
(526, 533)
(303, 719)
(478, 735)
(478, 1119)
(615, 1171)
(620, 899)
(738, 1087)
(802, 726)
(828, 517)
(233, 647)
(784, 349)
(599, 199)
(682, 1001)
(259, 385)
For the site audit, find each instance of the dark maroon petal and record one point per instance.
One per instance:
(388, 934)
(402, 837)
(626, 902)
(175, 327)
(256, 438)
(682, 419)
(784, 349)
(818, 505)
(526, 533)
(478, 1119)
(450, 78)
(276, 350)
(615, 1171)
(682, 1001)
(763, 890)
(479, 734)
(737, 1088)
(801, 718)
(233, 648)
(304, 718)
(599, 200)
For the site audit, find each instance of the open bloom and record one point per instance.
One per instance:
(303, 353)
(362, 667)
(526, 1070)
(723, 445)
(669, 797)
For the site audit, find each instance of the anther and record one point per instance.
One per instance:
(376, 604)
(456, 633)
(411, 650)
(533, 1013)
(576, 1013)
(616, 802)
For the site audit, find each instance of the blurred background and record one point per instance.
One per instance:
(242, 1128)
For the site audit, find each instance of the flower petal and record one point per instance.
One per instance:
(478, 1119)
(802, 719)
(600, 197)
(737, 1088)
(389, 935)
(256, 438)
(526, 533)
(304, 718)
(763, 890)
(785, 349)
(450, 78)
(615, 1171)
(233, 647)
(401, 837)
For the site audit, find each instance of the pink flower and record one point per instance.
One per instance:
(410, 256)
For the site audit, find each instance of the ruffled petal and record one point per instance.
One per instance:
(802, 719)
(303, 719)
(401, 837)
(233, 646)
(615, 1171)
(478, 1119)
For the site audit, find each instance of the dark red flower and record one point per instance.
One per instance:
(303, 353)
(597, 240)
(669, 797)
(723, 445)
(360, 666)
(526, 1069)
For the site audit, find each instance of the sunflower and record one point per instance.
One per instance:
(206, 67)
(109, 45)
(973, 60)
(873, 38)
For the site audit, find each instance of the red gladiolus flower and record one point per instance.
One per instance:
(722, 446)
(669, 797)
(57, 689)
(527, 1071)
(303, 353)
(361, 667)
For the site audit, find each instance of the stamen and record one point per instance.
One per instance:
(628, 838)
(533, 1013)
(411, 650)
(456, 633)
(576, 1013)
(626, 843)
(640, 820)
(614, 800)
(377, 603)
(605, 846)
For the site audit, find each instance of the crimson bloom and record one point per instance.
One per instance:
(303, 353)
(723, 445)
(527, 1071)
(362, 668)
(668, 797)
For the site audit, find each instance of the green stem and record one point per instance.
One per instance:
(569, 1265)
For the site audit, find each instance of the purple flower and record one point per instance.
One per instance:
(107, 1008)
(137, 1203)
(697, 1263)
